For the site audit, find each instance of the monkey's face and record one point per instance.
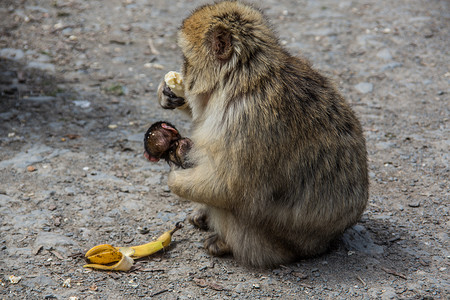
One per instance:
(219, 39)
(204, 40)
(192, 35)
(206, 48)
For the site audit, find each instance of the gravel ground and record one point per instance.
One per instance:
(78, 90)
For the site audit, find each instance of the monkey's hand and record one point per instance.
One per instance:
(167, 98)
(177, 154)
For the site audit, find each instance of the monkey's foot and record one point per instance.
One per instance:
(199, 218)
(216, 246)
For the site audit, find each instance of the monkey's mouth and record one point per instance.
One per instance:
(150, 157)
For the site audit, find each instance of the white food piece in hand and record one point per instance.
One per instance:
(174, 81)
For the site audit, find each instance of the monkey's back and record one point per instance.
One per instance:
(301, 155)
(294, 168)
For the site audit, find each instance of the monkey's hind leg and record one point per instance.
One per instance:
(216, 246)
(248, 242)
(199, 218)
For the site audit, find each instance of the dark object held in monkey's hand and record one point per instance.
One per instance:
(162, 140)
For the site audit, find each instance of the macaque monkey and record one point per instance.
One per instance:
(162, 140)
(278, 158)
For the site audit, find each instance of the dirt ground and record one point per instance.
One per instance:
(78, 90)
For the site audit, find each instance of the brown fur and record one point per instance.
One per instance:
(162, 140)
(159, 139)
(279, 158)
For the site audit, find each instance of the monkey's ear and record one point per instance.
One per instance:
(221, 43)
(169, 127)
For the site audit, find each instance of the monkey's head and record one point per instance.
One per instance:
(219, 39)
(158, 140)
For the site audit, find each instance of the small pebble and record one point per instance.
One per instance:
(364, 87)
(31, 168)
(384, 54)
(14, 279)
(414, 204)
(66, 283)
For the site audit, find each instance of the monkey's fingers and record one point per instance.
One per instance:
(172, 100)
(169, 93)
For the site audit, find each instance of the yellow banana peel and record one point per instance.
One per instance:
(141, 250)
(124, 264)
(103, 256)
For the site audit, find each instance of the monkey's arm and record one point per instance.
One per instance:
(168, 100)
(200, 184)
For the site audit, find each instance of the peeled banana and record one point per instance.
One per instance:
(103, 256)
(174, 81)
